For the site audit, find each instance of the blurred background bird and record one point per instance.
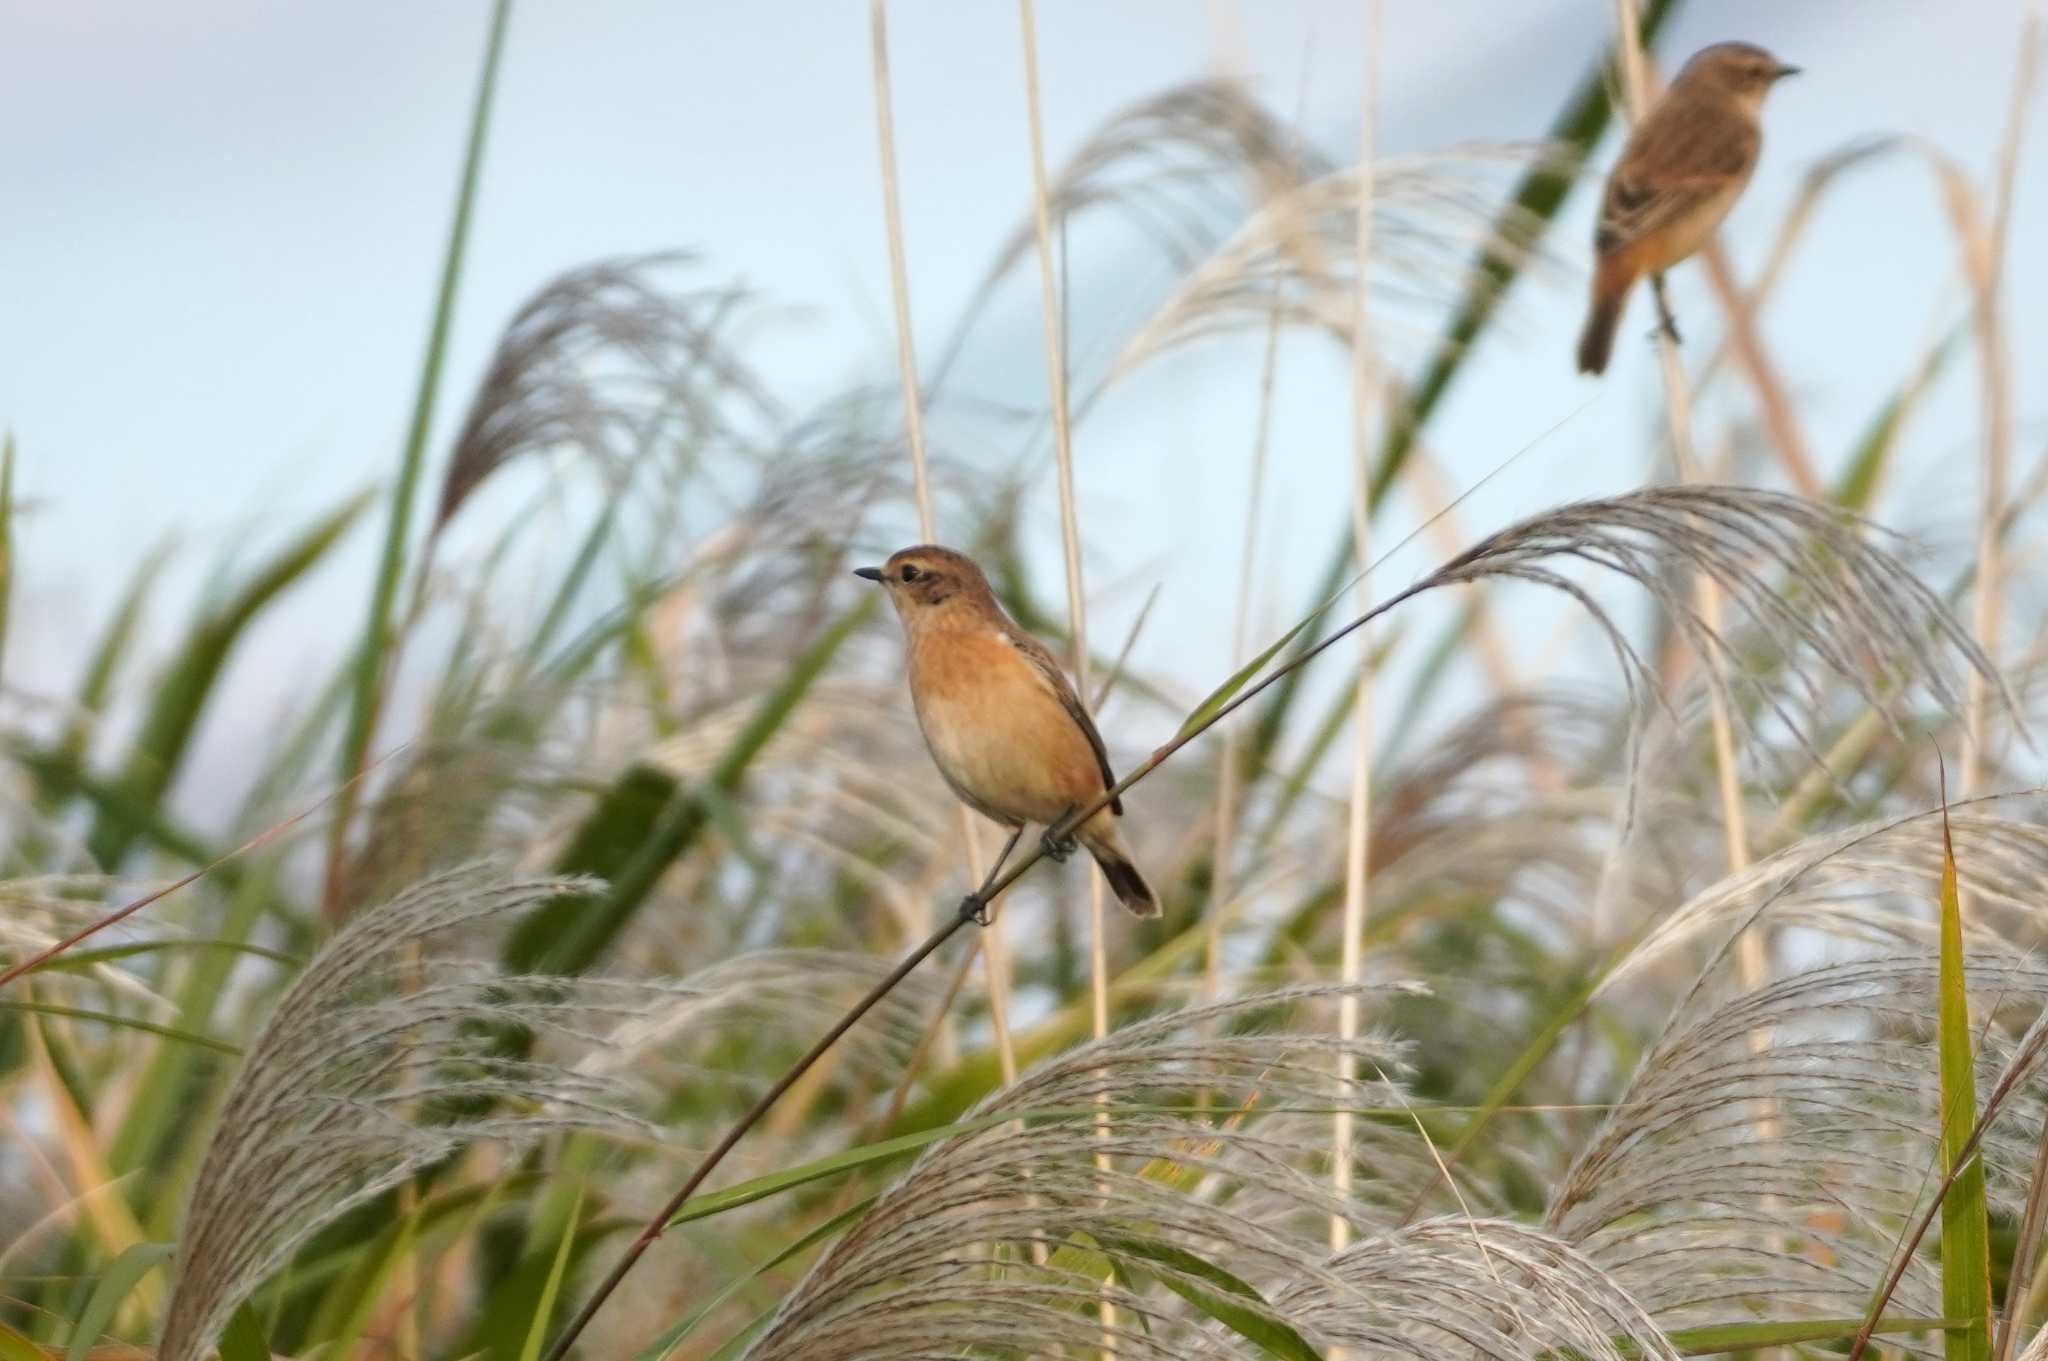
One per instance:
(1682, 170)
(1003, 723)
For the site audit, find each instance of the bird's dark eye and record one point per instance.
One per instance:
(911, 573)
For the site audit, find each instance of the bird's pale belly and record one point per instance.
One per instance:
(1018, 762)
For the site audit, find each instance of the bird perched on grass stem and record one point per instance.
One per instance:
(1001, 719)
(1682, 170)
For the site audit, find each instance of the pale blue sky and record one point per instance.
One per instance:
(223, 220)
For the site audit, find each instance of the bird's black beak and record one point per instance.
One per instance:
(871, 573)
(1784, 71)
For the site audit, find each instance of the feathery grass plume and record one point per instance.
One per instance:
(1477, 1287)
(321, 1116)
(1297, 256)
(1183, 166)
(1205, 137)
(942, 1260)
(1868, 883)
(1801, 573)
(1702, 1219)
(595, 360)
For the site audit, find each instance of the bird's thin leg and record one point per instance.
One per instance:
(974, 907)
(1666, 323)
(1058, 848)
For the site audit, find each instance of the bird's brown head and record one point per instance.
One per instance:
(926, 580)
(1742, 70)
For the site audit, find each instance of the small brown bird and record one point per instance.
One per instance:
(1682, 170)
(1001, 719)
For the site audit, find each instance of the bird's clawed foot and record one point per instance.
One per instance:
(1057, 848)
(974, 909)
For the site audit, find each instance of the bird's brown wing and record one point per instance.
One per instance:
(1680, 158)
(1035, 653)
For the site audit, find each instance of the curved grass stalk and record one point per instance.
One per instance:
(899, 272)
(1055, 328)
(995, 959)
(1358, 820)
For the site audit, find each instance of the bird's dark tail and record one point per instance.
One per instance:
(1101, 838)
(1596, 342)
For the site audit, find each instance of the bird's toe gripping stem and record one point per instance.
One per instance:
(1057, 848)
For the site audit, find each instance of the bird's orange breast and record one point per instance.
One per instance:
(997, 729)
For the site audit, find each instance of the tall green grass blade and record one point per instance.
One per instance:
(645, 823)
(107, 656)
(544, 1307)
(1716, 1338)
(373, 654)
(521, 1305)
(71, 1074)
(574, 579)
(182, 693)
(1222, 694)
(1965, 1218)
(1219, 1299)
(119, 1022)
(121, 1277)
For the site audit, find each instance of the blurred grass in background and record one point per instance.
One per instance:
(405, 1076)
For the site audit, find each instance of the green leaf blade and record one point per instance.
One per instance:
(1965, 1217)
(1217, 1293)
(117, 1282)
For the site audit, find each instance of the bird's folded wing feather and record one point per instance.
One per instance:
(1056, 680)
(1673, 166)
